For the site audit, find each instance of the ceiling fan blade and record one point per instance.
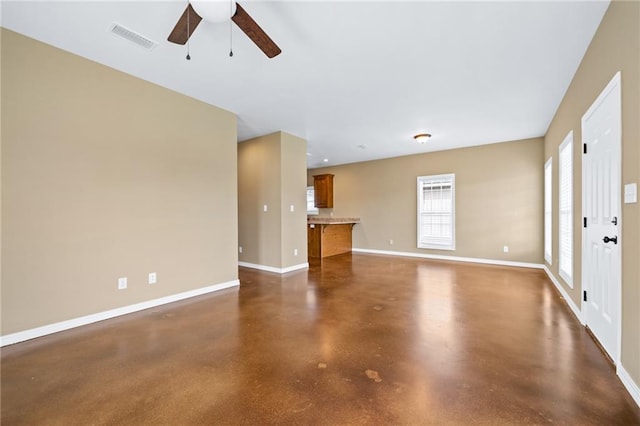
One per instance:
(180, 35)
(255, 33)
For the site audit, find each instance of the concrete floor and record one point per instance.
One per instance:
(358, 339)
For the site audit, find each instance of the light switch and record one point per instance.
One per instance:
(291, 208)
(265, 208)
(631, 193)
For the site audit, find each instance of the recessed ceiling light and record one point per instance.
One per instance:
(422, 137)
(326, 160)
(308, 154)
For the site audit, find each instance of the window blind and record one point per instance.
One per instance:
(548, 185)
(565, 230)
(436, 212)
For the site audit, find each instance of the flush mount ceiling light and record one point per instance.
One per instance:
(214, 11)
(422, 137)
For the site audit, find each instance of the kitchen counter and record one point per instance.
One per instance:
(328, 236)
(332, 220)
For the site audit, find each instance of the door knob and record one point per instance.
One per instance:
(614, 240)
(614, 220)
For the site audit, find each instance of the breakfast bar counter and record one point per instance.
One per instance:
(328, 236)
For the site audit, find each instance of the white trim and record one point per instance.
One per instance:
(614, 84)
(548, 222)
(420, 194)
(21, 336)
(615, 81)
(576, 311)
(452, 258)
(566, 146)
(628, 383)
(274, 269)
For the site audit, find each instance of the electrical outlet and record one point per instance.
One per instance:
(265, 208)
(153, 278)
(240, 249)
(122, 283)
(505, 249)
(295, 252)
(390, 242)
(291, 208)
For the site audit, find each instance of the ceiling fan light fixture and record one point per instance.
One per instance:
(422, 137)
(215, 10)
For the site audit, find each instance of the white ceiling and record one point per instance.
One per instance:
(356, 79)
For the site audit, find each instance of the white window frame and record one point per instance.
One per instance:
(423, 240)
(565, 209)
(548, 211)
(311, 208)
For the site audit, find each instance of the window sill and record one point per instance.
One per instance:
(436, 247)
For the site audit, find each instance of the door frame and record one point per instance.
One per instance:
(614, 84)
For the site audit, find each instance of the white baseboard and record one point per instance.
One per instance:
(576, 311)
(453, 258)
(628, 383)
(273, 269)
(21, 336)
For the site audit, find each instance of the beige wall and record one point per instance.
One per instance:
(271, 171)
(615, 47)
(498, 200)
(294, 193)
(105, 175)
(259, 185)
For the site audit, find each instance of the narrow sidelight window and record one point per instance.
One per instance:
(436, 212)
(565, 230)
(548, 194)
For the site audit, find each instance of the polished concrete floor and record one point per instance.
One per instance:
(358, 339)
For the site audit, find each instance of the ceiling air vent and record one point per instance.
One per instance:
(133, 37)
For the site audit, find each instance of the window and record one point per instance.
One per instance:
(547, 211)
(311, 205)
(436, 212)
(565, 230)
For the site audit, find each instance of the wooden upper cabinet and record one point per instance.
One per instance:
(323, 191)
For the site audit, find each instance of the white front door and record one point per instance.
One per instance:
(602, 244)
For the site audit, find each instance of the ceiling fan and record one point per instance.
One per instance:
(218, 11)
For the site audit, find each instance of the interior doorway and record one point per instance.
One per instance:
(602, 222)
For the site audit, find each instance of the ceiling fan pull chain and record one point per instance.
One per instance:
(230, 29)
(188, 35)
